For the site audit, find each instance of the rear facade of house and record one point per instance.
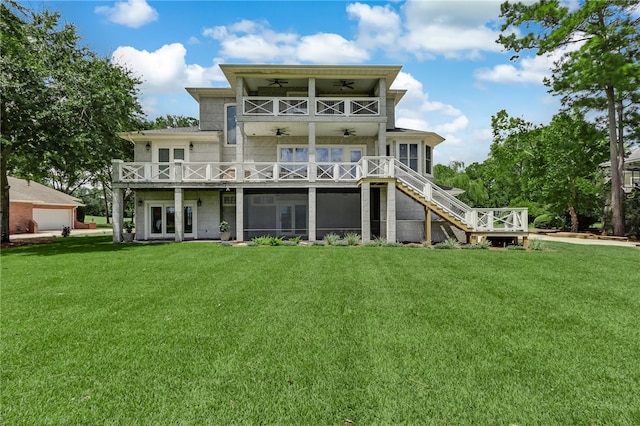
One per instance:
(296, 151)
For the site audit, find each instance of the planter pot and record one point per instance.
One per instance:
(127, 237)
(225, 236)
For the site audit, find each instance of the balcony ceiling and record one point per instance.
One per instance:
(301, 129)
(337, 86)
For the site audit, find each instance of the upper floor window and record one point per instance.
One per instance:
(230, 120)
(427, 159)
(408, 155)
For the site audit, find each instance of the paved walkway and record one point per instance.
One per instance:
(574, 240)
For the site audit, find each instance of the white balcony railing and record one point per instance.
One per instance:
(476, 219)
(347, 107)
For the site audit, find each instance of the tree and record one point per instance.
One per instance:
(61, 103)
(599, 70)
(454, 175)
(171, 122)
(571, 149)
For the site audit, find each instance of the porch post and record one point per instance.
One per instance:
(178, 205)
(312, 153)
(391, 212)
(427, 225)
(365, 209)
(312, 214)
(239, 214)
(382, 127)
(383, 211)
(117, 212)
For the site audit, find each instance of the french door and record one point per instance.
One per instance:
(168, 155)
(163, 220)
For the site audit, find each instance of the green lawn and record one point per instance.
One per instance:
(199, 333)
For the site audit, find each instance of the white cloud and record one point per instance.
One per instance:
(255, 41)
(455, 29)
(416, 101)
(132, 13)
(378, 26)
(165, 70)
(329, 48)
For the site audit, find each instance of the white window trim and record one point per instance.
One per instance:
(157, 146)
(148, 204)
(226, 109)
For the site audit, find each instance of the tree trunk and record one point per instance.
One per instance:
(4, 198)
(574, 219)
(106, 202)
(616, 167)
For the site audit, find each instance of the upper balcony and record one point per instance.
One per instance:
(300, 106)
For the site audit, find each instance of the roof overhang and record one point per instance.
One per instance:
(150, 135)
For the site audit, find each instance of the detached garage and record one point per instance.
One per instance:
(34, 207)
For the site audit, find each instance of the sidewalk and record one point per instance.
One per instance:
(575, 240)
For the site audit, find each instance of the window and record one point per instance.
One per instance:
(230, 128)
(427, 159)
(294, 154)
(408, 155)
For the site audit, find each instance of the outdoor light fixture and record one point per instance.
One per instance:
(148, 146)
(140, 202)
(190, 146)
(199, 202)
(346, 133)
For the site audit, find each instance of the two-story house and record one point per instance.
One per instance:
(296, 150)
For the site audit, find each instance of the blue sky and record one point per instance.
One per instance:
(456, 75)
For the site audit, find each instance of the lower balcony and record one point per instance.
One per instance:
(180, 172)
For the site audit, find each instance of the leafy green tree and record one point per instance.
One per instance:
(454, 175)
(171, 122)
(599, 72)
(61, 103)
(571, 149)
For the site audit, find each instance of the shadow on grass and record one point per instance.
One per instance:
(83, 244)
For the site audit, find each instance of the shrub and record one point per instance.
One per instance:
(319, 243)
(535, 244)
(331, 239)
(341, 243)
(295, 240)
(267, 240)
(352, 238)
(378, 242)
(544, 221)
(449, 243)
(480, 245)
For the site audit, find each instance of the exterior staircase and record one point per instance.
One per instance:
(477, 223)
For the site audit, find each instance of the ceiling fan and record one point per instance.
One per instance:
(277, 82)
(281, 132)
(344, 84)
(348, 132)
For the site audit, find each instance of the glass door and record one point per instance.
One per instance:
(168, 155)
(292, 219)
(163, 220)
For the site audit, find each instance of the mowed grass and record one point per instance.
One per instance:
(198, 333)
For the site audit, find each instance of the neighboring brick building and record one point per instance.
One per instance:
(34, 207)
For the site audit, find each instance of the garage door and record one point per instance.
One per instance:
(52, 219)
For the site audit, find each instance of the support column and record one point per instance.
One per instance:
(312, 214)
(382, 139)
(117, 213)
(391, 212)
(239, 214)
(365, 210)
(312, 153)
(179, 213)
(383, 211)
(382, 127)
(427, 226)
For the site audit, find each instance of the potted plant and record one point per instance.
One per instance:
(225, 235)
(128, 235)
